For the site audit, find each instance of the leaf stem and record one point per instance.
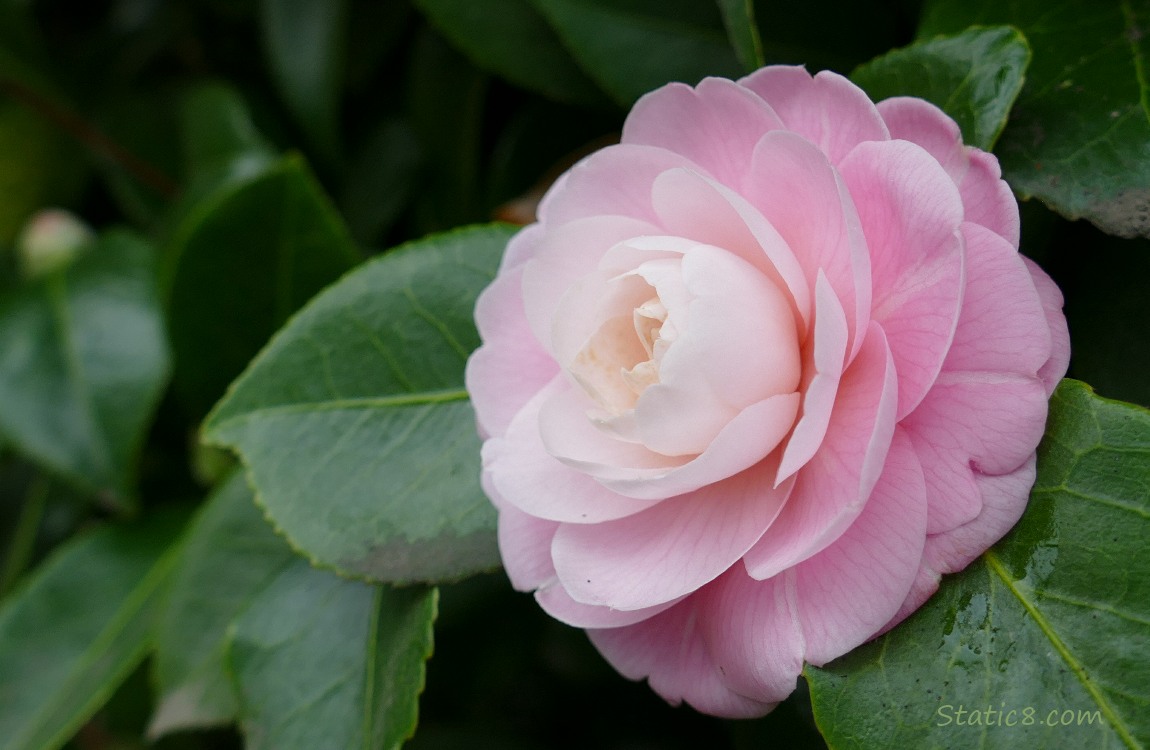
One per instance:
(90, 136)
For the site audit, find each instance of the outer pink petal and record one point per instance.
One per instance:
(1054, 368)
(668, 650)
(691, 205)
(715, 125)
(847, 592)
(612, 181)
(827, 110)
(986, 197)
(1004, 500)
(831, 489)
(803, 197)
(910, 212)
(823, 360)
(564, 256)
(952, 494)
(555, 601)
(671, 549)
(526, 476)
(753, 633)
(993, 420)
(511, 366)
(1002, 326)
(525, 546)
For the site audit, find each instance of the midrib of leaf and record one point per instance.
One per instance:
(369, 686)
(1131, 33)
(58, 302)
(375, 402)
(100, 644)
(1076, 667)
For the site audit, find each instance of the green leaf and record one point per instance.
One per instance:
(229, 554)
(239, 264)
(83, 362)
(218, 131)
(324, 662)
(1050, 624)
(355, 425)
(380, 180)
(1079, 133)
(304, 42)
(657, 43)
(511, 39)
(739, 18)
(77, 628)
(974, 77)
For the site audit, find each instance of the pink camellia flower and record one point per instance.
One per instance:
(757, 377)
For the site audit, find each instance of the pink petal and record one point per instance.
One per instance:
(555, 601)
(528, 477)
(511, 366)
(1004, 500)
(671, 549)
(804, 199)
(918, 121)
(521, 247)
(828, 110)
(986, 197)
(847, 592)
(525, 546)
(691, 205)
(753, 633)
(992, 420)
(1002, 326)
(951, 492)
(668, 651)
(715, 125)
(1054, 368)
(564, 256)
(831, 489)
(823, 360)
(614, 181)
(910, 212)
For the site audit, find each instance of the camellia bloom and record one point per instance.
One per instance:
(757, 377)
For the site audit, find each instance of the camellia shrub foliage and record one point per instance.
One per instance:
(241, 246)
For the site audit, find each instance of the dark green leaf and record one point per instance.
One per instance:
(974, 77)
(230, 553)
(83, 361)
(355, 425)
(1050, 624)
(380, 180)
(304, 41)
(217, 130)
(239, 264)
(511, 39)
(739, 18)
(77, 628)
(632, 48)
(324, 662)
(1079, 134)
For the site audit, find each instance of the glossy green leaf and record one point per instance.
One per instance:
(1042, 642)
(974, 77)
(739, 18)
(77, 628)
(83, 361)
(355, 425)
(511, 39)
(1079, 133)
(229, 554)
(324, 662)
(659, 41)
(304, 42)
(239, 264)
